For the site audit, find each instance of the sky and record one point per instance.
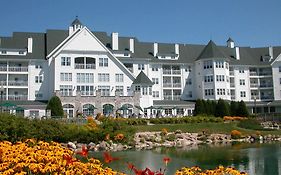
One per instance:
(255, 23)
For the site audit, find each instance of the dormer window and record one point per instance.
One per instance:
(21, 52)
(4, 52)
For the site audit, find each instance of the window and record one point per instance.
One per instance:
(65, 61)
(242, 93)
(85, 90)
(154, 68)
(208, 78)
(209, 92)
(188, 69)
(220, 77)
(65, 76)
(208, 64)
(226, 65)
(140, 66)
(220, 91)
(4, 52)
(39, 79)
(188, 81)
(241, 71)
(103, 77)
(119, 90)
(21, 52)
(280, 80)
(103, 62)
(189, 94)
(105, 90)
(38, 94)
(38, 66)
(155, 80)
(155, 94)
(137, 88)
(66, 90)
(119, 77)
(242, 82)
(85, 78)
(144, 91)
(279, 68)
(219, 64)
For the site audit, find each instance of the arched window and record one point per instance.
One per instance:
(107, 109)
(68, 110)
(88, 109)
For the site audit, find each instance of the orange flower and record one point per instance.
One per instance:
(108, 158)
(166, 160)
(84, 151)
(69, 159)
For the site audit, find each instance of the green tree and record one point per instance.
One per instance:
(222, 108)
(242, 109)
(55, 106)
(199, 107)
(233, 108)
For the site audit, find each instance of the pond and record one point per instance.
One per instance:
(255, 159)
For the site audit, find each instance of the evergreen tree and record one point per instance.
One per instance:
(208, 107)
(213, 107)
(222, 108)
(242, 109)
(199, 107)
(233, 108)
(55, 106)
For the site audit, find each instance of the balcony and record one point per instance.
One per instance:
(3, 68)
(18, 69)
(176, 97)
(232, 97)
(265, 74)
(167, 71)
(254, 85)
(232, 85)
(17, 97)
(253, 98)
(176, 85)
(231, 73)
(168, 97)
(165, 85)
(176, 72)
(18, 83)
(85, 66)
(266, 97)
(266, 85)
(253, 73)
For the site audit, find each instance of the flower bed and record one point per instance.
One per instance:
(31, 157)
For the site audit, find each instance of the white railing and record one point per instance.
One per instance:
(18, 83)
(168, 97)
(85, 66)
(167, 85)
(3, 69)
(165, 71)
(176, 85)
(17, 97)
(177, 72)
(18, 69)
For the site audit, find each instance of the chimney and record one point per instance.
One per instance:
(155, 49)
(270, 51)
(132, 45)
(177, 49)
(114, 37)
(237, 53)
(29, 45)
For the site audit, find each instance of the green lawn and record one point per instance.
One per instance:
(225, 128)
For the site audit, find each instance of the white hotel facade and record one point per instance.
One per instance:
(92, 72)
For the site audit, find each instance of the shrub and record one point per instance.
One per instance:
(55, 106)
(250, 124)
(235, 134)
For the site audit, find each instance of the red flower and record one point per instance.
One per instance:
(84, 151)
(69, 159)
(108, 158)
(166, 160)
(130, 166)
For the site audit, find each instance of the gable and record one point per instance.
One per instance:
(84, 41)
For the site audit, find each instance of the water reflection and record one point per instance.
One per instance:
(256, 159)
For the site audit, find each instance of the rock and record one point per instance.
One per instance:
(71, 145)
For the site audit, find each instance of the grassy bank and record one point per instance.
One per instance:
(223, 128)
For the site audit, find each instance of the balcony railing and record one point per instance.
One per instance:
(231, 73)
(17, 97)
(265, 74)
(3, 68)
(168, 97)
(266, 85)
(176, 97)
(232, 85)
(177, 85)
(253, 74)
(253, 98)
(232, 97)
(18, 69)
(85, 66)
(254, 85)
(167, 85)
(177, 72)
(266, 97)
(18, 83)
(165, 71)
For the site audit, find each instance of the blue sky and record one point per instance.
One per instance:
(254, 23)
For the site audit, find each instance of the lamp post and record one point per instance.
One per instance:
(2, 92)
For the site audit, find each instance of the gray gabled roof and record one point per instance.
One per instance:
(76, 22)
(211, 51)
(230, 40)
(142, 79)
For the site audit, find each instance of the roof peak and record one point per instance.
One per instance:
(142, 79)
(211, 50)
(76, 21)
